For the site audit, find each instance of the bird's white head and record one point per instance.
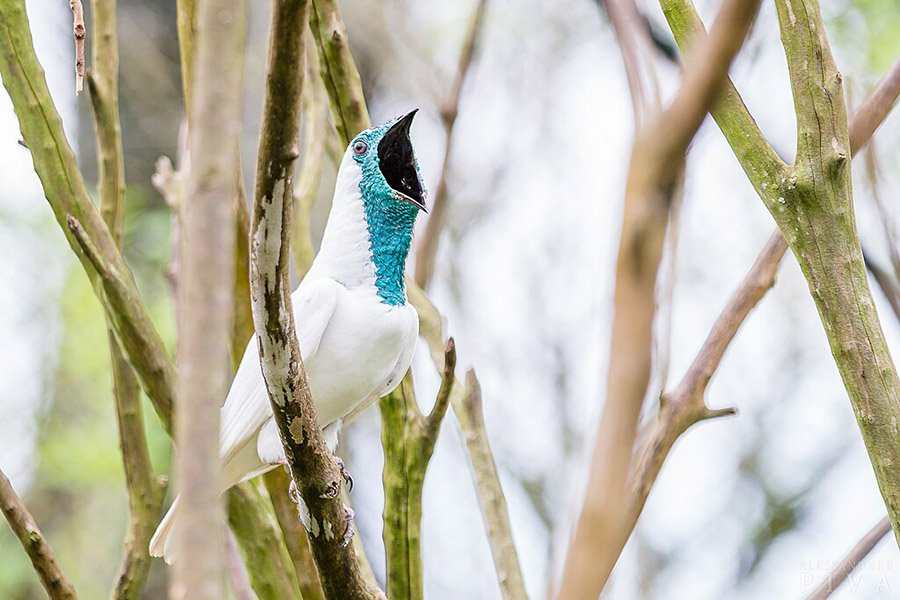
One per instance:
(379, 187)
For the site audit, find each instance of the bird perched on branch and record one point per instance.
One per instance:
(356, 329)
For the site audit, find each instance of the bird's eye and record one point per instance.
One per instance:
(360, 147)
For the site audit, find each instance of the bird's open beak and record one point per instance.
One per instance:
(398, 163)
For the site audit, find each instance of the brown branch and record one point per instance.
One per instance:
(39, 551)
(282, 365)
(78, 32)
(426, 250)
(656, 163)
(859, 552)
(206, 295)
(873, 111)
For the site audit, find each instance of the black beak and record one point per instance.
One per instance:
(398, 163)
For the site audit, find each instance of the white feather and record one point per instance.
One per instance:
(355, 349)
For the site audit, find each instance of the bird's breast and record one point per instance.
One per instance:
(365, 344)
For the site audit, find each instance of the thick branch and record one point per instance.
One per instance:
(39, 551)
(814, 211)
(273, 315)
(270, 574)
(427, 248)
(656, 163)
(206, 293)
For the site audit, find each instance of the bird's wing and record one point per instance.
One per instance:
(247, 407)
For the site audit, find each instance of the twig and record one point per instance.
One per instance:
(427, 248)
(39, 551)
(145, 489)
(408, 438)
(490, 494)
(273, 316)
(656, 163)
(859, 552)
(78, 32)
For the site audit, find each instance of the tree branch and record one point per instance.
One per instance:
(145, 490)
(273, 315)
(656, 162)
(39, 551)
(67, 194)
(206, 293)
(685, 405)
(78, 33)
(426, 251)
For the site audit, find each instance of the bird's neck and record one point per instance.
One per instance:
(390, 226)
(366, 241)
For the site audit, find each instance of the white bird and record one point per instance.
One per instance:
(356, 329)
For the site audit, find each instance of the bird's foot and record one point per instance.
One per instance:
(348, 481)
(349, 526)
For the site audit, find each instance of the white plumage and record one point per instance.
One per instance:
(355, 348)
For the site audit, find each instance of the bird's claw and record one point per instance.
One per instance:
(348, 481)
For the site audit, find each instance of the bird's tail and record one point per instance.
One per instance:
(163, 544)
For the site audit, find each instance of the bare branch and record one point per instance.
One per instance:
(78, 32)
(428, 245)
(39, 551)
(859, 552)
(273, 316)
(656, 163)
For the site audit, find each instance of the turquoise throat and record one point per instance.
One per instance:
(390, 223)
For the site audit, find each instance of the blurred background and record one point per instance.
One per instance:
(759, 505)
